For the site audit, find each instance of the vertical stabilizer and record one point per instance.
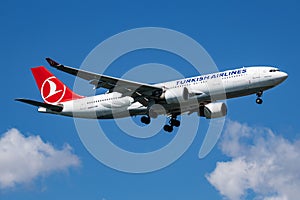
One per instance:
(53, 91)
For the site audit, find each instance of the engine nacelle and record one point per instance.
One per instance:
(176, 95)
(213, 110)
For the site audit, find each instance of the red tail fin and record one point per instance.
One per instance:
(53, 91)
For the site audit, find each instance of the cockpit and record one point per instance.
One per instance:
(274, 70)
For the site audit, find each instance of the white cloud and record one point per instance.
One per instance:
(22, 159)
(261, 162)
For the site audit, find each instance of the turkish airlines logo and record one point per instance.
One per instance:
(52, 90)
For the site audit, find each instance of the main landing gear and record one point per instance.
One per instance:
(173, 122)
(168, 127)
(258, 99)
(145, 120)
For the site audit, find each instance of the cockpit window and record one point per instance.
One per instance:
(274, 70)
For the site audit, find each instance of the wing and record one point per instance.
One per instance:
(141, 92)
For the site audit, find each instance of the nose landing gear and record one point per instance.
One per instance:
(258, 99)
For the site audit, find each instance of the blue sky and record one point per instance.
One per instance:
(234, 33)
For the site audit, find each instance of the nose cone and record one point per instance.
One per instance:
(280, 77)
(284, 76)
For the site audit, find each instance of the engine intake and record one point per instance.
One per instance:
(213, 110)
(176, 95)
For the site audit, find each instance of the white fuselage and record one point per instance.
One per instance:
(205, 88)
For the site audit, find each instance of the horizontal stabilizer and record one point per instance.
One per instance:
(56, 108)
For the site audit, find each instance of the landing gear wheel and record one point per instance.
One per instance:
(175, 122)
(259, 94)
(145, 120)
(259, 101)
(168, 128)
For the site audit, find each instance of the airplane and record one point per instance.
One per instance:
(125, 98)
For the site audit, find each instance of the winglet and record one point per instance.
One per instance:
(53, 63)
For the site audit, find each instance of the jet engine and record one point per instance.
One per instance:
(213, 110)
(176, 95)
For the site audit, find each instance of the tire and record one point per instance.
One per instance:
(176, 123)
(168, 128)
(259, 101)
(145, 120)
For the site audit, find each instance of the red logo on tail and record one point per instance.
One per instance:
(52, 92)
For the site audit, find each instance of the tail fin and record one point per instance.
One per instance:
(53, 91)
